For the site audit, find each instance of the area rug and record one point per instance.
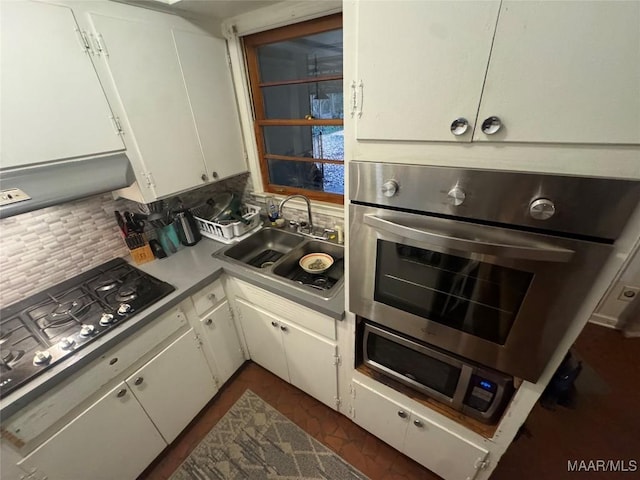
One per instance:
(254, 441)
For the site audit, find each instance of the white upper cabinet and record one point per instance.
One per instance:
(208, 81)
(564, 72)
(422, 65)
(143, 66)
(53, 106)
(172, 89)
(555, 72)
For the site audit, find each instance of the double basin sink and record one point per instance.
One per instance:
(275, 253)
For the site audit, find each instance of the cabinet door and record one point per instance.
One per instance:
(380, 415)
(565, 72)
(312, 363)
(422, 67)
(441, 451)
(113, 438)
(174, 386)
(53, 106)
(143, 65)
(222, 341)
(262, 334)
(208, 80)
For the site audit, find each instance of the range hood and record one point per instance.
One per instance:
(25, 189)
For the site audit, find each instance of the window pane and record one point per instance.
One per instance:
(322, 142)
(322, 177)
(319, 99)
(303, 57)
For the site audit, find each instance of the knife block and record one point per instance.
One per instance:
(139, 248)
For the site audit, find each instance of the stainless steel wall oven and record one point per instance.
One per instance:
(489, 266)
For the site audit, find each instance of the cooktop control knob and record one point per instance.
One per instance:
(106, 319)
(42, 358)
(87, 330)
(124, 308)
(542, 209)
(67, 343)
(456, 196)
(390, 188)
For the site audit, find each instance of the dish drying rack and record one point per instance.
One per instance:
(228, 231)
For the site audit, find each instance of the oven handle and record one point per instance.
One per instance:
(541, 254)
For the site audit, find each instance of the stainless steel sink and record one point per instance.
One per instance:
(265, 247)
(275, 254)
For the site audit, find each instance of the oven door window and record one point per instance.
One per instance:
(475, 297)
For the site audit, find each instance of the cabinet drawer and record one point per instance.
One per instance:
(208, 297)
(286, 309)
(45, 411)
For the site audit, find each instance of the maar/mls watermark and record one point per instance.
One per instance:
(602, 465)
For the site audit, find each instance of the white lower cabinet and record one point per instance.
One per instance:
(120, 434)
(174, 386)
(221, 341)
(210, 316)
(441, 451)
(298, 356)
(113, 438)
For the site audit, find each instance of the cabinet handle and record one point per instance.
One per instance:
(204, 177)
(491, 125)
(212, 297)
(138, 380)
(122, 393)
(402, 414)
(113, 360)
(209, 321)
(418, 423)
(459, 126)
(283, 328)
(275, 324)
(215, 175)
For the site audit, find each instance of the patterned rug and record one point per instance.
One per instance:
(255, 441)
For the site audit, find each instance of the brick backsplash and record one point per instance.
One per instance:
(42, 248)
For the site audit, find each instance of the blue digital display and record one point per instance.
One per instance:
(486, 385)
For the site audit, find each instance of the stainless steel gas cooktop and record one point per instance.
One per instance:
(48, 327)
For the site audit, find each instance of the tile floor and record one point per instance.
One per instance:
(604, 423)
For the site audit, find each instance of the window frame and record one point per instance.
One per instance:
(250, 44)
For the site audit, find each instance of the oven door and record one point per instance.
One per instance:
(500, 297)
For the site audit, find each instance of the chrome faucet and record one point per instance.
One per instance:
(310, 223)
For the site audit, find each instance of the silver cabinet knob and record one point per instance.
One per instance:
(491, 125)
(459, 126)
(418, 423)
(390, 188)
(274, 324)
(283, 328)
(121, 393)
(402, 414)
(456, 196)
(208, 321)
(212, 297)
(138, 381)
(204, 177)
(542, 209)
(215, 175)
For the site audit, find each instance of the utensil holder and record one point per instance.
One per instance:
(168, 238)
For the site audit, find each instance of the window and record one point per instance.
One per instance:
(296, 84)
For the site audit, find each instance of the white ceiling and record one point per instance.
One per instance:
(220, 9)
